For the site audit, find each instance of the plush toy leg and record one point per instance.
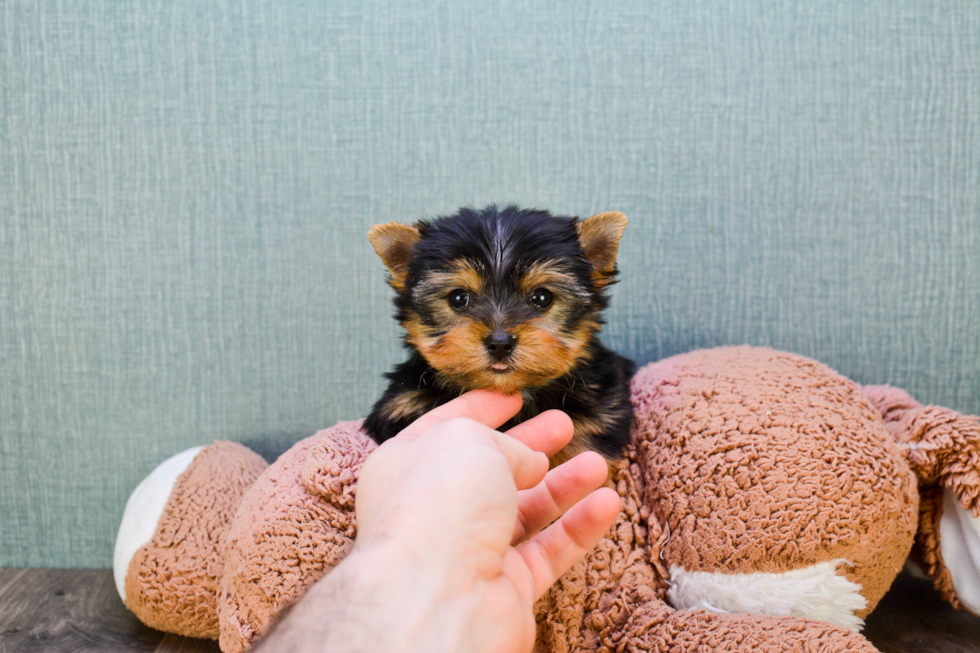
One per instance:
(818, 592)
(143, 511)
(168, 552)
(657, 627)
(294, 525)
(959, 533)
(943, 448)
(612, 600)
(783, 493)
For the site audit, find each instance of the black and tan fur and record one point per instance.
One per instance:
(507, 263)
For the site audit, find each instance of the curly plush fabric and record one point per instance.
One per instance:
(743, 460)
(658, 628)
(612, 600)
(172, 580)
(943, 448)
(294, 525)
(587, 609)
(759, 460)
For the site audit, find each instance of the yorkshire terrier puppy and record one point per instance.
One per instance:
(508, 300)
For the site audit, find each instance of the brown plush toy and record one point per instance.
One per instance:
(767, 503)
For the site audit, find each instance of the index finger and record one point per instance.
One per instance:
(489, 408)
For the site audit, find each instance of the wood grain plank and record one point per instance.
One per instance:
(10, 576)
(69, 610)
(177, 644)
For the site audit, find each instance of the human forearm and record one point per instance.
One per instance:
(377, 599)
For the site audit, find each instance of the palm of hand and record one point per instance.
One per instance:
(468, 503)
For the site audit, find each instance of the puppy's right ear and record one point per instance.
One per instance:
(599, 237)
(394, 242)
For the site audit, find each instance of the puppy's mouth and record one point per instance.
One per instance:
(500, 367)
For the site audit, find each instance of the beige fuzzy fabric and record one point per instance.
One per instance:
(172, 581)
(743, 460)
(755, 460)
(612, 600)
(943, 448)
(294, 525)
(763, 461)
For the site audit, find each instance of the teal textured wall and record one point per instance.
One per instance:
(185, 190)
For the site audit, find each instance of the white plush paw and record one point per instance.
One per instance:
(959, 541)
(815, 592)
(143, 512)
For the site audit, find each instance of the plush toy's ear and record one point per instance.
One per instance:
(941, 445)
(394, 242)
(599, 237)
(943, 449)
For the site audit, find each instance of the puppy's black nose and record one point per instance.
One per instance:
(500, 344)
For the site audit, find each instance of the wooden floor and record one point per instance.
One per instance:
(79, 610)
(76, 610)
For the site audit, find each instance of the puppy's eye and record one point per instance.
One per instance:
(458, 298)
(542, 298)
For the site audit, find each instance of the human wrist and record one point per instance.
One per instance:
(429, 603)
(385, 596)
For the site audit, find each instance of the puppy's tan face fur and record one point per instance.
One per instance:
(452, 341)
(503, 284)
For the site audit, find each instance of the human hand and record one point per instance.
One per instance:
(454, 544)
(465, 506)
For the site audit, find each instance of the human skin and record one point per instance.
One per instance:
(454, 544)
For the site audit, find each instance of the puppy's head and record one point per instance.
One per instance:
(501, 298)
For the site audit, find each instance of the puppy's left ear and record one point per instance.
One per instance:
(599, 237)
(394, 242)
